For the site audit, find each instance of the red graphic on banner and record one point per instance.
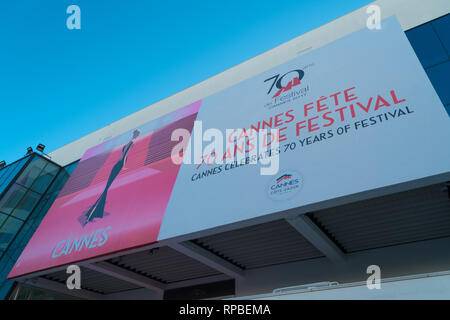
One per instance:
(294, 82)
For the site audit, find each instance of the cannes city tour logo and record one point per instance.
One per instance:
(285, 185)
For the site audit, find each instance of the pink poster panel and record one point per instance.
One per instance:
(114, 200)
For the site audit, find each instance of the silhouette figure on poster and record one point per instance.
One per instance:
(98, 208)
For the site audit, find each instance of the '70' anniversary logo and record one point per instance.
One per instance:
(292, 78)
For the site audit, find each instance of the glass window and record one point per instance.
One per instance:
(31, 172)
(23, 293)
(21, 239)
(9, 173)
(8, 231)
(12, 198)
(42, 182)
(26, 205)
(45, 178)
(5, 174)
(17, 166)
(59, 183)
(51, 169)
(2, 218)
(71, 167)
(2, 172)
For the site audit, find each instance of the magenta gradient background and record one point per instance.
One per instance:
(136, 200)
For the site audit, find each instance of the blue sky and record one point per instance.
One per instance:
(57, 85)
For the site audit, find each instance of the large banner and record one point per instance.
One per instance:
(355, 115)
(114, 200)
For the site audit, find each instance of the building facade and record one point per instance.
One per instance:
(28, 188)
